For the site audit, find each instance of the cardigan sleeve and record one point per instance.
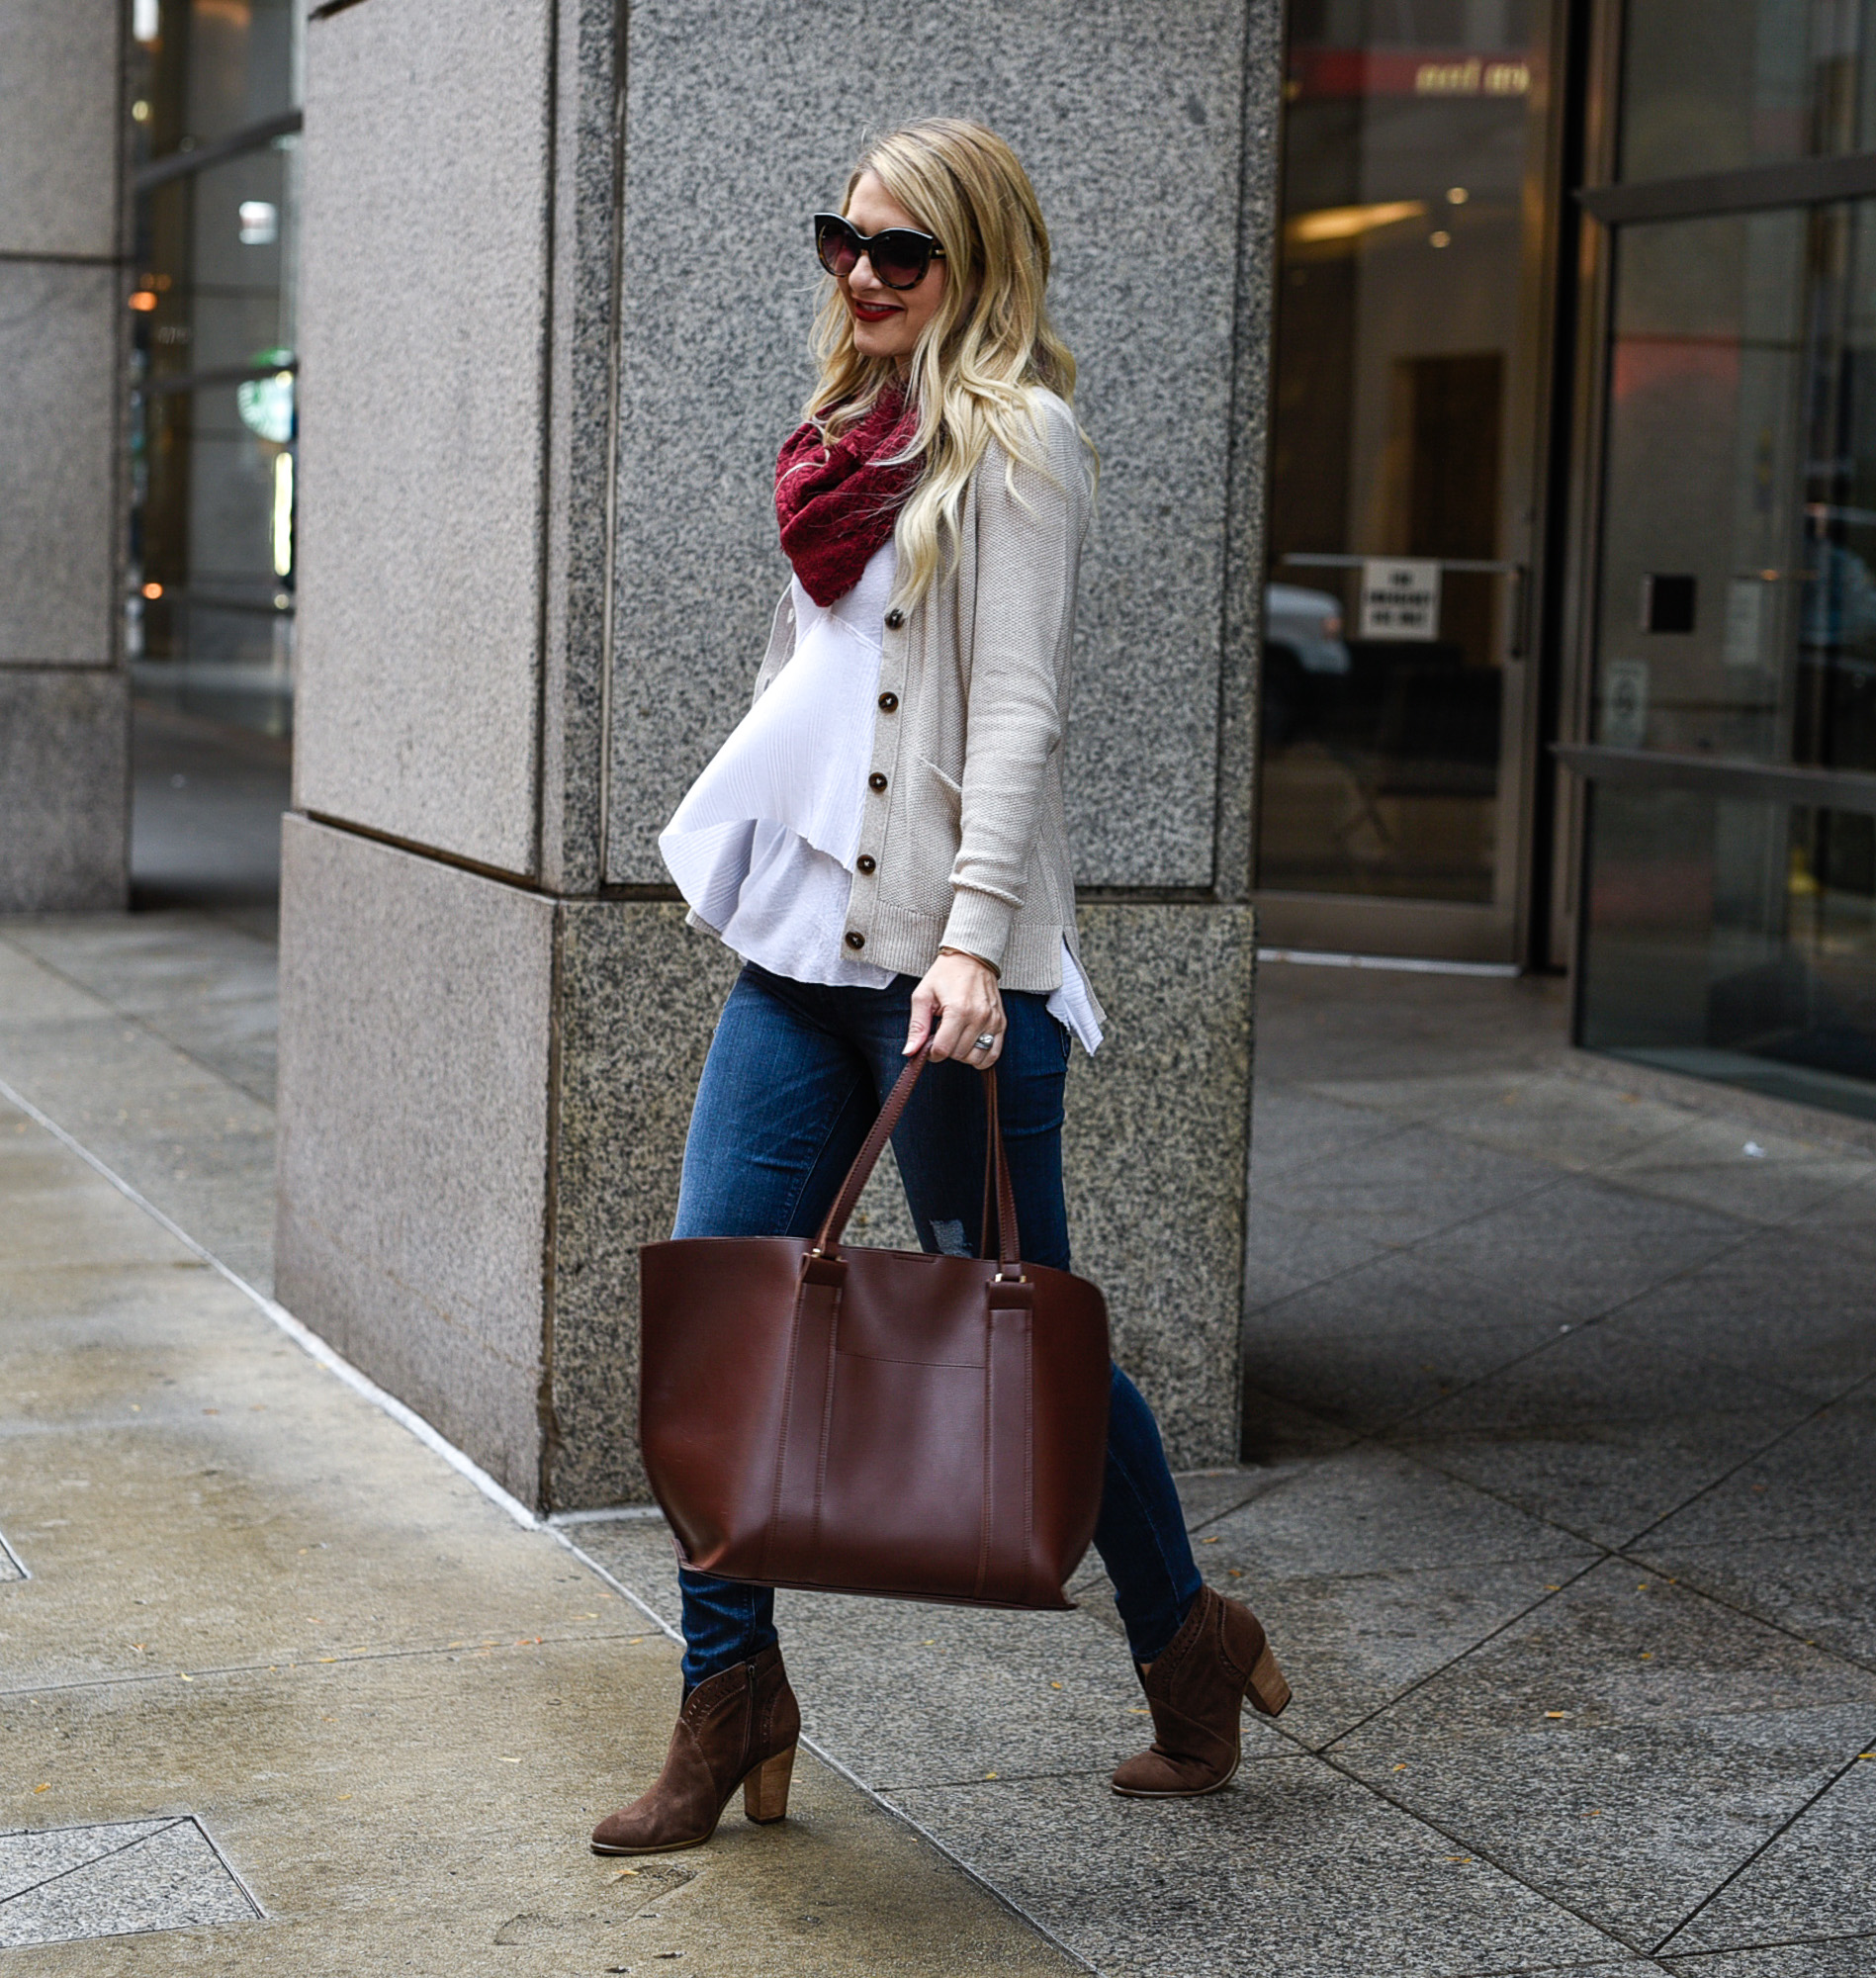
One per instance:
(1029, 527)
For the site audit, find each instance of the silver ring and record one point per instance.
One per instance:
(985, 1042)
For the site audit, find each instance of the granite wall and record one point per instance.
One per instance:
(538, 564)
(1131, 119)
(63, 709)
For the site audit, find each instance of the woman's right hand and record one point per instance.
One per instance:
(957, 1004)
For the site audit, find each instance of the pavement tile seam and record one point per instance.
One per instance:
(1444, 1123)
(141, 1834)
(1425, 1451)
(1745, 1611)
(1772, 1839)
(1422, 1818)
(308, 1663)
(1636, 1182)
(1391, 1132)
(1326, 1750)
(1593, 1967)
(1627, 1554)
(1746, 1233)
(1622, 1951)
(1519, 1198)
(838, 1765)
(1686, 1958)
(131, 1019)
(1002, 1900)
(133, 1832)
(1755, 1455)
(1382, 1429)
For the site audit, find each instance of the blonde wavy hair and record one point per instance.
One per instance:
(986, 349)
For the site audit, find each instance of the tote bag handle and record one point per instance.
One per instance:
(996, 1173)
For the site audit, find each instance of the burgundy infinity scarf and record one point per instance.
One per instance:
(838, 502)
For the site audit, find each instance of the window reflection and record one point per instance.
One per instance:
(1715, 85)
(1412, 145)
(1734, 934)
(209, 598)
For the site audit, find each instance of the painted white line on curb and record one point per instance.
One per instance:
(302, 1336)
(1311, 957)
(605, 1517)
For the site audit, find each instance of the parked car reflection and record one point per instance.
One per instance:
(1303, 645)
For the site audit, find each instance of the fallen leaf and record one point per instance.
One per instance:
(328, 1658)
(345, 1795)
(618, 1873)
(1457, 1858)
(511, 1762)
(1557, 1713)
(43, 1786)
(1210, 1541)
(186, 1678)
(1055, 1685)
(1401, 1767)
(989, 1776)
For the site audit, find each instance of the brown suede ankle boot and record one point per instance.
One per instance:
(737, 1729)
(1195, 1688)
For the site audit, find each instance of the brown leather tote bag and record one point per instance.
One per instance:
(877, 1421)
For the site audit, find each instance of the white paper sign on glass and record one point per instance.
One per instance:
(1624, 703)
(1400, 598)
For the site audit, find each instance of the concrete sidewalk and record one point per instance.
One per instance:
(1559, 1507)
(283, 1693)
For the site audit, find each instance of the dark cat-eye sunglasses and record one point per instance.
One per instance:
(900, 255)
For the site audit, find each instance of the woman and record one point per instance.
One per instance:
(882, 839)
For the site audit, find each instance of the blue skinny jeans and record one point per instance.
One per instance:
(796, 1075)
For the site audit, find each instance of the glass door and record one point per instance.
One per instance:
(1409, 397)
(1728, 920)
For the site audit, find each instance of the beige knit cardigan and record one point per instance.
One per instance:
(964, 842)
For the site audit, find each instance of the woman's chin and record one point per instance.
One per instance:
(879, 339)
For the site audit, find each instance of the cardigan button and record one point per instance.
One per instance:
(894, 619)
(856, 940)
(889, 701)
(876, 782)
(866, 862)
